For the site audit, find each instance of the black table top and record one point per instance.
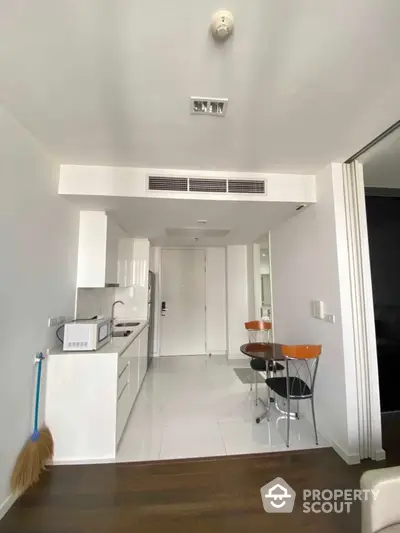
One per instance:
(270, 351)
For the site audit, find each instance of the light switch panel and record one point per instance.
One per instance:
(318, 309)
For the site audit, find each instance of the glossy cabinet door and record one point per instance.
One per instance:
(127, 385)
(143, 337)
(97, 250)
(125, 257)
(112, 237)
(124, 402)
(134, 368)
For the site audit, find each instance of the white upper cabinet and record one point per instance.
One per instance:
(98, 250)
(125, 260)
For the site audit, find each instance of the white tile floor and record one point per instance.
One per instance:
(196, 406)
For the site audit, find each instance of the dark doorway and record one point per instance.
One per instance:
(383, 216)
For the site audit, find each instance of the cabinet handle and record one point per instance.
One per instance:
(122, 371)
(122, 392)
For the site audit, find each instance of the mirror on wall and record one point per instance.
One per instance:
(266, 310)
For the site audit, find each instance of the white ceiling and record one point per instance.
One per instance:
(382, 163)
(109, 81)
(151, 217)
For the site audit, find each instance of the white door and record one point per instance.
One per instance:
(183, 322)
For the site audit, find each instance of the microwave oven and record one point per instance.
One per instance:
(86, 335)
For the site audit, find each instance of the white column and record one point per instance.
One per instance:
(216, 301)
(237, 298)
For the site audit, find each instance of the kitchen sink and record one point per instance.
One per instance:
(127, 324)
(125, 333)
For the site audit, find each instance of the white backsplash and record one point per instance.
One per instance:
(92, 302)
(135, 300)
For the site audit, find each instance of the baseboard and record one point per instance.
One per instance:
(7, 504)
(217, 352)
(379, 455)
(71, 462)
(350, 459)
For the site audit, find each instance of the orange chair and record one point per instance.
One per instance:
(259, 332)
(298, 384)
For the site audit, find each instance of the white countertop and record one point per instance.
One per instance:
(116, 345)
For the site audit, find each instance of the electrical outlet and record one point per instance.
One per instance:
(53, 321)
(330, 318)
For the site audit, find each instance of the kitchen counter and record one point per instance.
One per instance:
(89, 398)
(116, 345)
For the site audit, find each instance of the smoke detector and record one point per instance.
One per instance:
(222, 25)
(201, 105)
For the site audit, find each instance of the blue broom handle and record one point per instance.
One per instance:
(38, 379)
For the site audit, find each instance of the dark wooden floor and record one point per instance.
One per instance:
(221, 495)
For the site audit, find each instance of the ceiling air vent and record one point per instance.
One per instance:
(165, 183)
(246, 186)
(207, 185)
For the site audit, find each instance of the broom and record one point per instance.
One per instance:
(38, 449)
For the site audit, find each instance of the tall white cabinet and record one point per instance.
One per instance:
(97, 250)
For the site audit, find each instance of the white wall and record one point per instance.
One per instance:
(237, 298)
(38, 239)
(306, 252)
(216, 300)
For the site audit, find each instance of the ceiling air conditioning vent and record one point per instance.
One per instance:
(207, 185)
(246, 186)
(165, 183)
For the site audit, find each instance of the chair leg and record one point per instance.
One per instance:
(267, 411)
(298, 410)
(313, 416)
(261, 417)
(256, 385)
(288, 422)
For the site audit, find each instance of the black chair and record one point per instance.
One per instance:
(259, 332)
(302, 361)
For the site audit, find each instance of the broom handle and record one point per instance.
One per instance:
(38, 379)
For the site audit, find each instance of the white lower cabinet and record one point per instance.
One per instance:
(135, 357)
(124, 406)
(89, 398)
(143, 344)
(134, 368)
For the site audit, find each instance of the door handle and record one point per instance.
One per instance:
(164, 308)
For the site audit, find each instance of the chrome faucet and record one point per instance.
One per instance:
(113, 310)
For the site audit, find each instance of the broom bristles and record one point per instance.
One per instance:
(32, 460)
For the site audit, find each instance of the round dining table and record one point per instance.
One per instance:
(269, 351)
